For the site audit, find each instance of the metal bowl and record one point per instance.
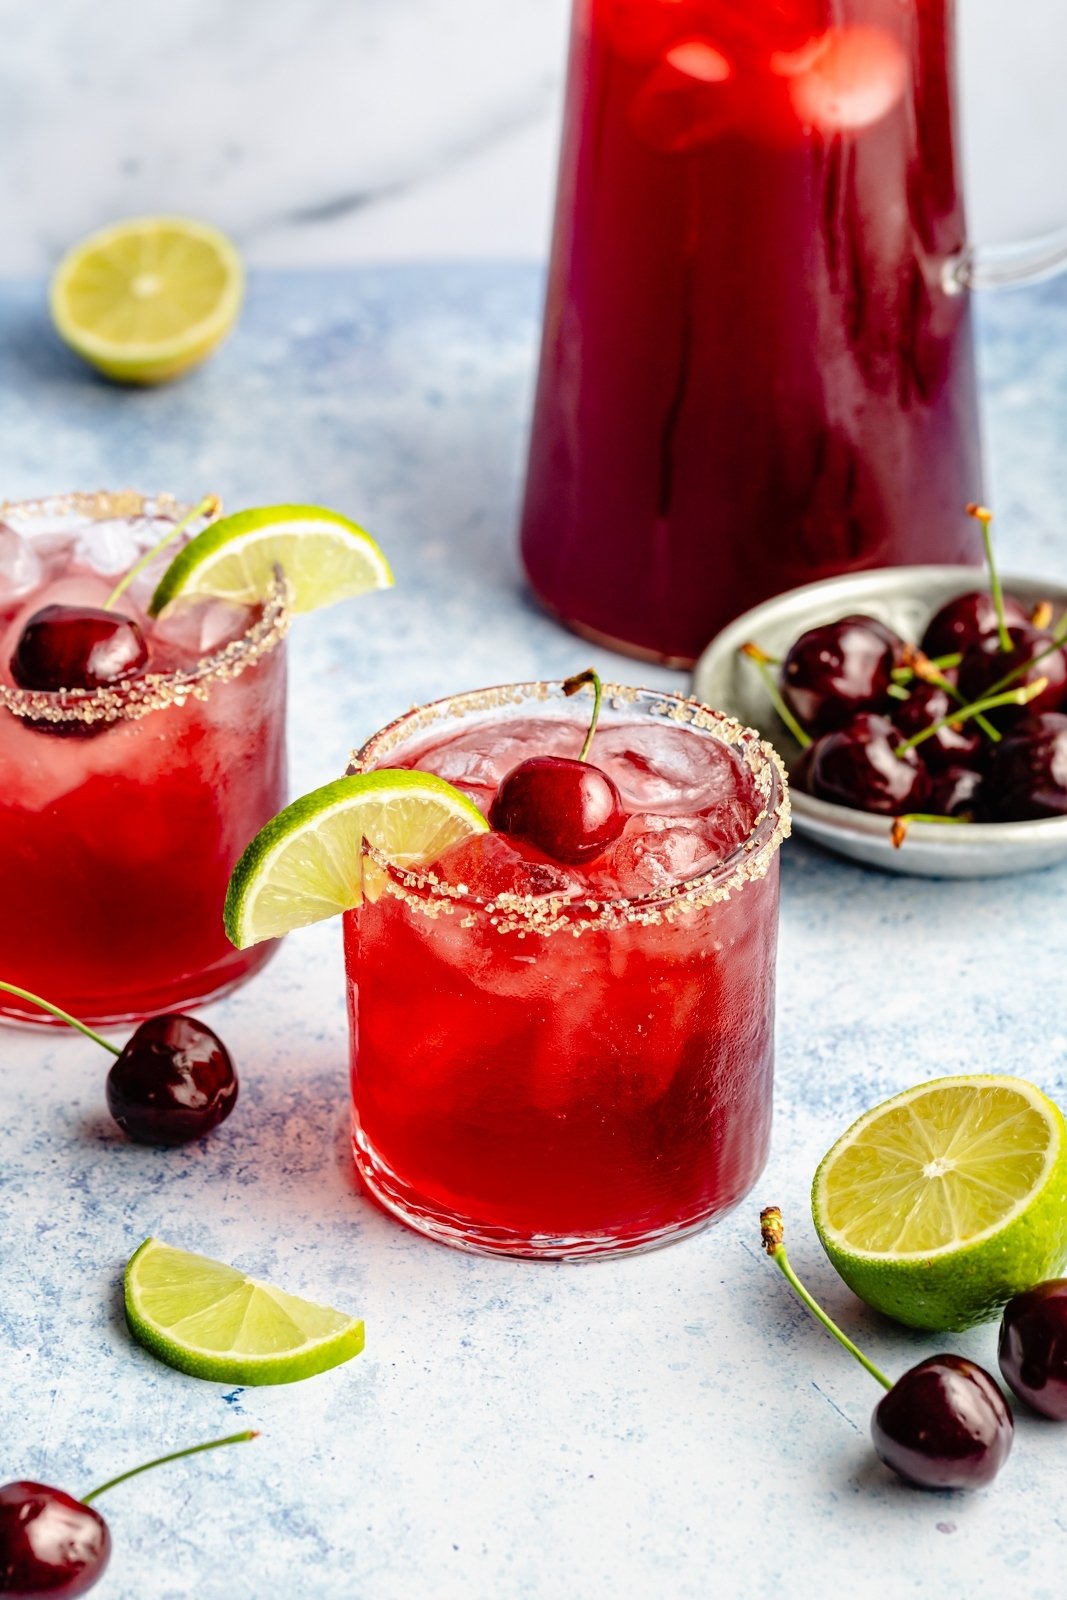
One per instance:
(905, 598)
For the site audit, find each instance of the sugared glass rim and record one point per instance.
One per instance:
(544, 914)
(135, 697)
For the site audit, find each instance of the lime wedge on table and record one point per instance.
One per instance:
(324, 556)
(147, 299)
(940, 1204)
(210, 1320)
(307, 862)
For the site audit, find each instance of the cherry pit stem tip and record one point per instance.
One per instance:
(773, 1235)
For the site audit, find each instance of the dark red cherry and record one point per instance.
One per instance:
(569, 809)
(926, 704)
(985, 664)
(858, 766)
(800, 770)
(50, 1544)
(944, 1425)
(77, 647)
(954, 792)
(1027, 771)
(173, 1082)
(966, 618)
(1033, 1347)
(834, 671)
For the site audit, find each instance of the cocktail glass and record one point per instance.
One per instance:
(577, 1070)
(123, 809)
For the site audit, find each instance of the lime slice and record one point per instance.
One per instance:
(307, 863)
(940, 1204)
(212, 1321)
(147, 299)
(323, 555)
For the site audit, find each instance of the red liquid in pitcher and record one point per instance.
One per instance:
(751, 376)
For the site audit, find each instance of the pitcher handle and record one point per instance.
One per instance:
(1006, 266)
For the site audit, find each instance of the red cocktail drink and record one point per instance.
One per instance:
(555, 1060)
(756, 370)
(124, 808)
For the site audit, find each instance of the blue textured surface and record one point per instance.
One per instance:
(673, 1425)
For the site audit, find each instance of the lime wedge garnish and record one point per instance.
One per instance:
(323, 555)
(940, 1204)
(147, 299)
(212, 1321)
(307, 862)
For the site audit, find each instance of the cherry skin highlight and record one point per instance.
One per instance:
(1027, 775)
(1033, 1347)
(858, 766)
(50, 1543)
(567, 808)
(944, 1425)
(173, 1082)
(77, 647)
(835, 671)
(949, 746)
(966, 618)
(954, 792)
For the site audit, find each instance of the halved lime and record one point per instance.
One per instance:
(307, 863)
(940, 1204)
(148, 298)
(212, 1321)
(323, 555)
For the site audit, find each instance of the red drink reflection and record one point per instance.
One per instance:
(751, 375)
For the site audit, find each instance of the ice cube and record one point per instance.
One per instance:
(190, 629)
(654, 854)
(491, 864)
(662, 767)
(109, 546)
(21, 567)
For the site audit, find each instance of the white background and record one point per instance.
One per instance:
(346, 130)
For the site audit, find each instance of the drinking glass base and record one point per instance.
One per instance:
(460, 1233)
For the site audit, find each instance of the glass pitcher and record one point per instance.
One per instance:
(757, 365)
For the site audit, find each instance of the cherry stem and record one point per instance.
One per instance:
(160, 1461)
(571, 686)
(763, 663)
(209, 508)
(899, 831)
(1018, 697)
(773, 1233)
(63, 1016)
(1059, 639)
(983, 516)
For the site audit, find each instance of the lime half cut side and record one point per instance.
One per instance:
(206, 1318)
(307, 863)
(940, 1204)
(323, 555)
(148, 298)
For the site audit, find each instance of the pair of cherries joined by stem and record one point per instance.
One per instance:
(52, 1544)
(945, 1424)
(172, 1082)
(564, 806)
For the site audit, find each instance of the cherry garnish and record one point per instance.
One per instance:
(1027, 773)
(966, 618)
(54, 1545)
(567, 808)
(77, 647)
(1033, 1347)
(173, 1082)
(834, 671)
(862, 766)
(50, 1543)
(1033, 654)
(949, 746)
(943, 1425)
